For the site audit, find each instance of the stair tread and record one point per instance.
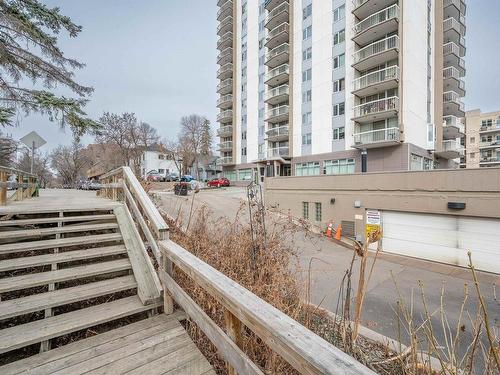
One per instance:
(45, 329)
(17, 234)
(60, 297)
(48, 244)
(43, 278)
(55, 219)
(67, 256)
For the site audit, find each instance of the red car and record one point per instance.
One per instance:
(218, 182)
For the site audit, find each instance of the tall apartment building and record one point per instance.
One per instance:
(482, 139)
(339, 86)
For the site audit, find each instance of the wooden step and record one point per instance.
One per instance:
(20, 234)
(37, 302)
(55, 219)
(30, 333)
(67, 256)
(9, 284)
(63, 242)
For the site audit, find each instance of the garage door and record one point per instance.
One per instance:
(443, 238)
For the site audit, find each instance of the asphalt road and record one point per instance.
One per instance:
(328, 262)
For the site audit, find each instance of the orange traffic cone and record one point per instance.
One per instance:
(338, 233)
(329, 230)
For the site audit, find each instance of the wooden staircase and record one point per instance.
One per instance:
(64, 272)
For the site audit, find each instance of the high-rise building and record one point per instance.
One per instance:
(482, 139)
(339, 86)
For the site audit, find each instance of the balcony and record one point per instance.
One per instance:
(225, 87)
(365, 8)
(225, 10)
(225, 25)
(271, 4)
(376, 110)
(276, 134)
(453, 127)
(277, 76)
(277, 95)
(225, 146)
(278, 152)
(451, 57)
(278, 55)
(278, 35)
(222, 2)
(453, 30)
(277, 114)
(225, 116)
(381, 80)
(225, 101)
(452, 81)
(452, 105)
(494, 128)
(377, 138)
(489, 161)
(225, 160)
(451, 149)
(278, 15)
(225, 40)
(494, 143)
(225, 56)
(225, 131)
(376, 25)
(376, 53)
(225, 71)
(454, 8)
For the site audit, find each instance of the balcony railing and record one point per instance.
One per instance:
(225, 69)
(377, 77)
(278, 111)
(377, 106)
(283, 48)
(225, 99)
(278, 151)
(284, 27)
(455, 122)
(224, 8)
(358, 3)
(277, 91)
(376, 48)
(282, 69)
(224, 160)
(490, 159)
(225, 115)
(278, 131)
(377, 136)
(453, 146)
(453, 97)
(224, 23)
(391, 12)
(280, 8)
(225, 130)
(492, 143)
(228, 52)
(451, 48)
(225, 84)
(225, 38)
(453, 24)
(459, 4)
(226, 145)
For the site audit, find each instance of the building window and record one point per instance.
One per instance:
(306, 75)
(307, 54)
(340, 166)
(307, 33)
(318, 211)
(230, 175)
(161, 156)
(244, 135)
(339, 109)
(420, 163)
(306, 118)
(307, 169)
(244, 174)
(305, 210)
(306, 96)
(339, 85)
(243, 151)
(339, 133)
(339, 61)
(306, 139)
(261, 112)
(307, 11)
(161, 170)
(339, 37)
(339, 13)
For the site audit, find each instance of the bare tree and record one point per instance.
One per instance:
(195, 137)
(70, 162)
(41, 165)
(8, 148)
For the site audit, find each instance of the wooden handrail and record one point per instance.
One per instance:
(23, 190)
(304, 350)
(17, 171)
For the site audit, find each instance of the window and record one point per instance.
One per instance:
(261, 25)
(487, 123)
(339, 37)
(244, 72)
(339, 133)
(338, 61)
(307, 33)
(306, 96)
(261, 95)
(306, 139)
(305, 210)
(161, 156)
(261, 43)
(243, 151)
(161, 170)
(339, 13)
(244, 135)
(230, 175)
(472, 139)
(307, 169)
(307, 54)
(244, 174)
(261, 112)
(340, 166)
(262, 59)
(306, 75)
(261, 78)
(420, 163)
(307, 11)
(318, 211)
(339, 109)
(306, 118)
(339, 85)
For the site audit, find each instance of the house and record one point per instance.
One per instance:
(155, 158)
(207, 168)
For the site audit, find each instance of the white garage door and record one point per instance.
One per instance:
(443, 238)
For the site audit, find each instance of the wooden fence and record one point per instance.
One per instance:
(25, 185)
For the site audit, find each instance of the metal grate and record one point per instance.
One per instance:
(347, 228)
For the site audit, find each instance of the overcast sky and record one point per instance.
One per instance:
(157, 58)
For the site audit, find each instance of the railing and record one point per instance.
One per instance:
(225, 99)
(280, 90)
(391, 12)
(224, 23)
(224, 160)
(278, 111)
(455, 122)
(224, 38)
(224, 8)
(459, 4)
(225, 68)
(451, 48)
(377, 106)
(376, 47)
(282, 48)
(224, 84)
(280, 8)
(377, 77)
(492, 143)
(224, 115)
(25, 186)
(453, 97)
(358, 3)
(284, 27)
(380, 135)
(226, 145)
(282, 69)
(278, 151)
(453, 24)
(228, 129)
(452, 145)
(491, 159)
(225, 53)
(278, 131)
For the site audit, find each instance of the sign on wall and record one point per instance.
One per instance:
(372, 222)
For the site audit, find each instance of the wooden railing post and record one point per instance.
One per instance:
(3, 191)
(20, 179)
(114, 190)
(234, 330)
(167, 266)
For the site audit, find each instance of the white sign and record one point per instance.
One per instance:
(33, 139)
(372, 217)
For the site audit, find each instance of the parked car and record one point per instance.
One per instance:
(154, 176)
(94, 185)
(187, 178)
(172, 177)
(218, 182)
